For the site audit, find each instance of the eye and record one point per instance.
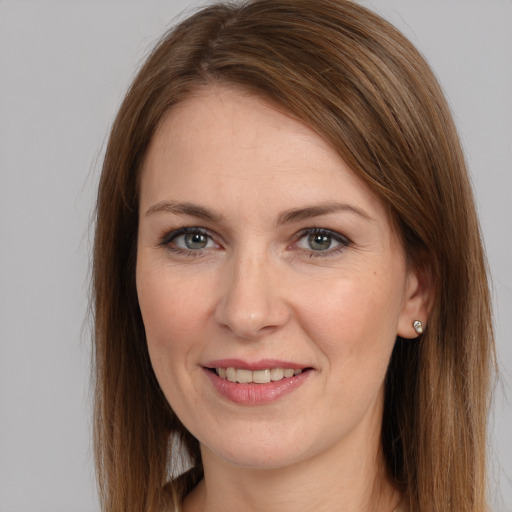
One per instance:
(318, 240)
(189, 239)
(193, 241)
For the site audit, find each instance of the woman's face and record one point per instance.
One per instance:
(260, 254)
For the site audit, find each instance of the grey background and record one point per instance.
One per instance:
(64, 66)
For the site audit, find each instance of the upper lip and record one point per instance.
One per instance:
(261, 364)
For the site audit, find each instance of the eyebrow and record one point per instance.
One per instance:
(309, 212)
(190, 209)
(285, 217)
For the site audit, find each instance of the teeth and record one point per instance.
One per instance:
(231, 374)
(244, 376)
(276, 373)
(258, 376)
(261, 376)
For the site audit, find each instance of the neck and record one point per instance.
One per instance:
(294, 489)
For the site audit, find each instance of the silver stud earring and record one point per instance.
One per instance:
(418, 327)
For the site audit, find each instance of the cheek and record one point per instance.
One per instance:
(173, 312)
(174, 320)
(355, 324)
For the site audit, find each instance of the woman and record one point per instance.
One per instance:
(290, 287)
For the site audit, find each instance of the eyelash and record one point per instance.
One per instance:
(168, 238)
(343, 241)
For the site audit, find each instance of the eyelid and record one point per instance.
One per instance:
(321, 231)
(170, 235)
(342, 240)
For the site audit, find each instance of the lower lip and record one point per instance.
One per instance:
(256, 394)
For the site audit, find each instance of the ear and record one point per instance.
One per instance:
(419, 293)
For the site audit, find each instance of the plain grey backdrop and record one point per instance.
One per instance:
(64, 66)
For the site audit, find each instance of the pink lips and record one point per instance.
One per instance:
(255, 394)
(262, 364)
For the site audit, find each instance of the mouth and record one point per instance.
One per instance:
(258, 382)
(263, 376)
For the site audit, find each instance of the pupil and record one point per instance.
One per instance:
(195, 241)
(319, 242)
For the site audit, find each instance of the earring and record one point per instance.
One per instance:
(418, 327)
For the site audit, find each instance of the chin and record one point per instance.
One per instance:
(260, 458)
(273, 448)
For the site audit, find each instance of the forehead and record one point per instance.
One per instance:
(226, 148)
(217, 118)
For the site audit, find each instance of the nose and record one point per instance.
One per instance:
(252, 303)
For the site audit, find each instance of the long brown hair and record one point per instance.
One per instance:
(356, 81)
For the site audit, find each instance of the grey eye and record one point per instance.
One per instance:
(319, 241)
(195, 241)
(189, 239)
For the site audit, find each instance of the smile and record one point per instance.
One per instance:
(243, 376)
(257, 386)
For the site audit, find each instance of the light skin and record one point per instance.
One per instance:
(257, 242)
